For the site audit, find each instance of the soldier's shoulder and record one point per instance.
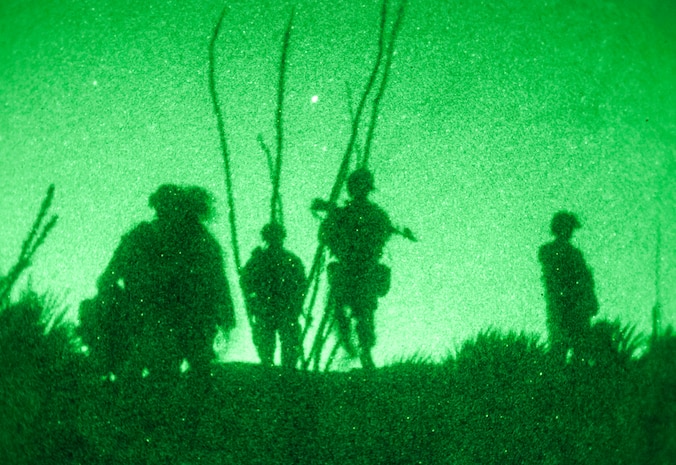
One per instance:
(546, 246)
(559, 248)
(206, 238)
(142, 230)
(141, 227)
(293, 259)
(255, 258)
(340, 212)
(379, 213)
(547, 249)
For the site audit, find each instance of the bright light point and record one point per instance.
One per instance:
(95, 83)
(314, 98)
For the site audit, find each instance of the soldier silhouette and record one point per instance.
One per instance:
(356, 234)
(166, 288)
(273, 281)
(569, 291)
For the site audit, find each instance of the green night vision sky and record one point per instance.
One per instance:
(496, 115)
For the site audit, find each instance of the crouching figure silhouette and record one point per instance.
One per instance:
(164, 292)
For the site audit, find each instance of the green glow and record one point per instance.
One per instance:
(496, 115)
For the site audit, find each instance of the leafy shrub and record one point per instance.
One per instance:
(613, 344)
(38, 382)
(498, 400)
(658, 398)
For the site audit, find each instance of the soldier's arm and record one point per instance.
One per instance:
(299, 278)
(579, 271)
(329, 230)
(126, 254)
(382, 219)
(248, 279)
(115, 270)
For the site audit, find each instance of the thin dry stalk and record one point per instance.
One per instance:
(268, 157)
(657, 308)
(277, 172)
(350, 110)
(224, 143)
(383, 83)
(332, 356)
(34, 239)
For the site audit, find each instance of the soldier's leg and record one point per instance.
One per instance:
(558, 345)
(581, 343)
(265, 339)
(198, 349)
(367, 336)
(366, 359)
(344, 327)
(289, 335)
(158, 352)
(342, 289)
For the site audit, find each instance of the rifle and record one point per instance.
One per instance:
(321, 205)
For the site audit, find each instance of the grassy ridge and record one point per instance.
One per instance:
(499, 400)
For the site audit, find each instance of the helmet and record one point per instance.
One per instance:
(564, 223)
(360, 182)
(199, 202)
(273, 232)
(164, 200)
(176, 202)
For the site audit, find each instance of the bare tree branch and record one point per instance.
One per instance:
(268, 157)
(224, 143)
(275, 215)
(383, 83)
(35, 238)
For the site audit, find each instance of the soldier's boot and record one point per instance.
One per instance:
(367, 360)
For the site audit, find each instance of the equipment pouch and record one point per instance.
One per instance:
(382, 279)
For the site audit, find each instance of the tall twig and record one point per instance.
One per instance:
(383, 83)
(224, 143)
(271, 171)
(323, 333)
(276, 178)
(314, 283)
(350, 110)
(34, 239)
(332, 356)
(44, 207)
(657, 307)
